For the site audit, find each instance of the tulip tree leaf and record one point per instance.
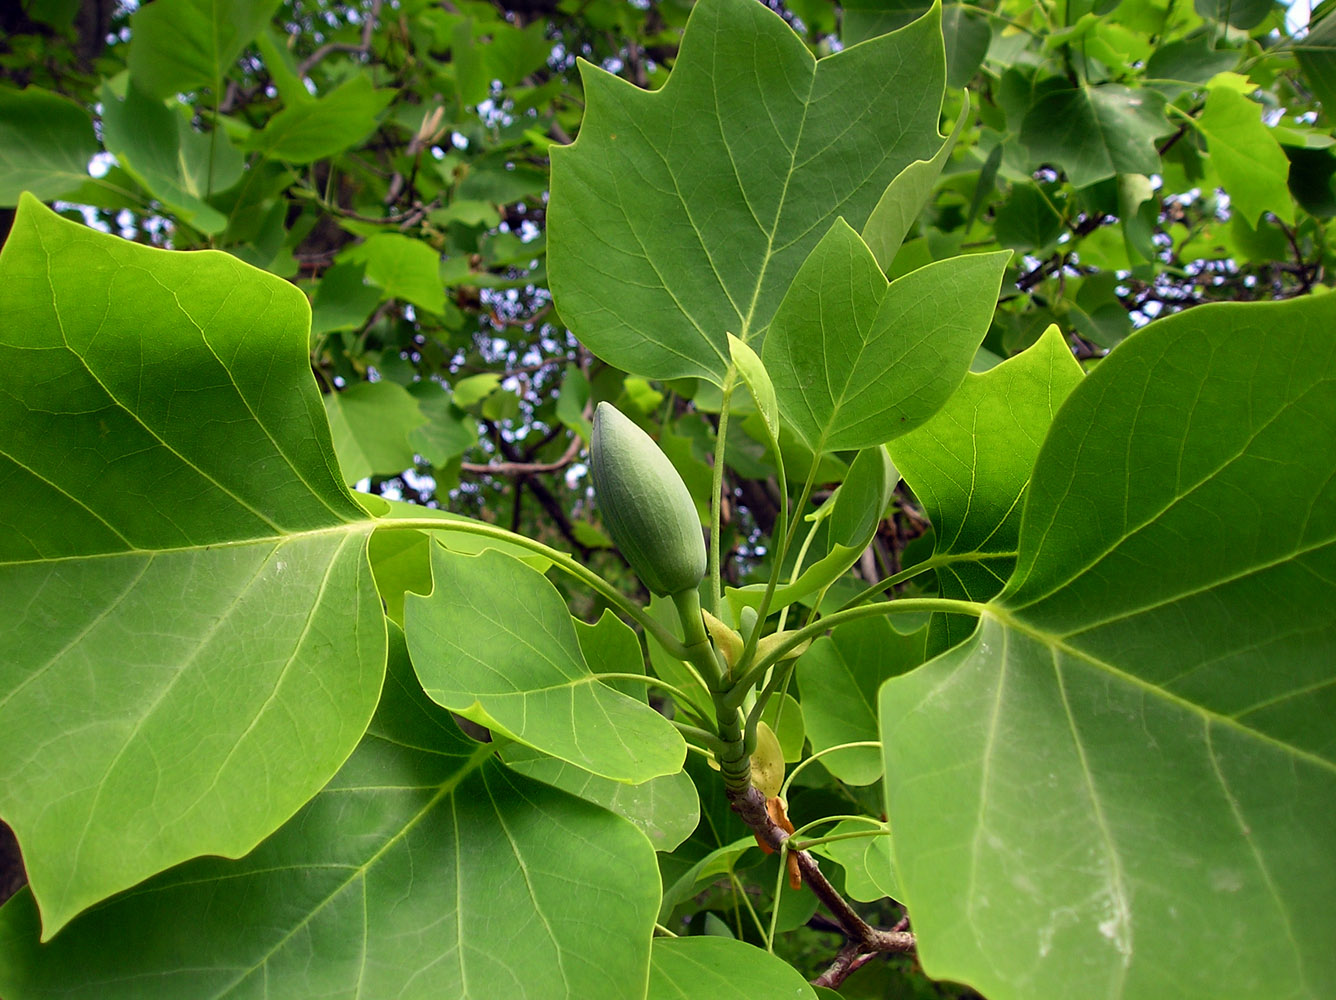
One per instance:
(495, 642)
(180, 166)
(902, 201)
(404, 268)
(371, 423)
(866, 860)
(375, 889)
(666, 809)
(969, 466)
(1127, 773)
(1246, 155)
(182, 45)
(682, 215)
(172, 562)
(839, 677)
(1095, 132)
(857, 362)
(312, 129)
(46, 142)
(705, 967)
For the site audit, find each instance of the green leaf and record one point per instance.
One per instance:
(182, 45)
(681, 215)
(1243, 14)
(1094, 132)
(1027, 220)
(866, 860)
(1251, 165)
(1317, 59)
(706, 968)
(900, 204)
(404, 268)
(343, 300)
(449, 431)
(855, 361)
(758, 383)
(46, 142)
(495, 642)
(665, 809)
(172, 563)
(179, 166)
(414, 873)
(310, 130)
(969, 466)
(371, 423)
(1130, 763)
(839, 677)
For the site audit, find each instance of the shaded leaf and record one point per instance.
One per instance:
(179, 166)
(710, 967)
(1096, 132)
(46, 142)
(183, 45)
(839, 677)
(970, 464)
(1127, 772)
(682, 215)
(310, 130)
(370, 423)
(377, 888)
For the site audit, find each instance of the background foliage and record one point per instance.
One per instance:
(392, 163)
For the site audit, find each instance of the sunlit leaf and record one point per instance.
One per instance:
(495, 642)
(969, 466)
(173, 564)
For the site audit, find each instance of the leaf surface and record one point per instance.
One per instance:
(495, 642)
(855, 361)
(1097, 132)
(969, 466)
(177, 550)
(183, 45)
(46, 142)
(704, 968)
(423, 870)
(1124, 783)
(371, 423)
(681, 216)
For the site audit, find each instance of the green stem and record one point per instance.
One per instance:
(793, 518)
(784, 789)
(697, 649)
(559, 559)
(648, 679)
(704, 737)
(932, 562)
(813, 629)
(717, 491)
(805, 845)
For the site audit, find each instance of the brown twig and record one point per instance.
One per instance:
(863, 937)
(329, 48)
(526, 468)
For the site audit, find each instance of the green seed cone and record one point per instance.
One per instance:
(645, 505)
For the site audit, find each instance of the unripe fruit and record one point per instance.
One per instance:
(645, 505)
